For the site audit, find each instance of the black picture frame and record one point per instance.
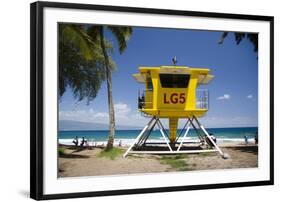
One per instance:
(36, 98)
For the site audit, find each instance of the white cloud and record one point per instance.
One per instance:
(224, 97)
(84, 116)
(123, 115)
(100, 115)
(69, 115)
(250, 96)
(122, 110)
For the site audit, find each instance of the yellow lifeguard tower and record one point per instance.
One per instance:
(171, 93)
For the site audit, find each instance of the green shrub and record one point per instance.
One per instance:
(61, 151)
(111, 153)
(176, 162)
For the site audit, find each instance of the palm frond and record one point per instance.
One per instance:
(75, 34)
(81, 73)
(239, 36)
(81, 58)
(122, 35)
(224, 34)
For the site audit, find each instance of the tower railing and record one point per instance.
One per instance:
(202, 99)
(145, 99)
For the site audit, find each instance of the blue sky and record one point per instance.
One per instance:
(233, 92)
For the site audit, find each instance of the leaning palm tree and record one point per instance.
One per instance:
(122, 34)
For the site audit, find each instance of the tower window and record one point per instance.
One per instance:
(149, 83)
(174, 80)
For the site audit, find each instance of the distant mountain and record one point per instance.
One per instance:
(77, 125)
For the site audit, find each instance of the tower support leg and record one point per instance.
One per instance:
(162, 133)
(183, 138)
(146, 135)
(191, 122)
(139, 136)
(211, 139)
(187, 122)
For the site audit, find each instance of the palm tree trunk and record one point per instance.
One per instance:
(109, 94)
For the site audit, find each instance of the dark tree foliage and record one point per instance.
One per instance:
(239, 36)
(81, 63)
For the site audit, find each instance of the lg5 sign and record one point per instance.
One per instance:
(174, 98)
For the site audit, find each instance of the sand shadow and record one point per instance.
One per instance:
(73, 156)
(61, 170)
(75, 149)
(247, 149)
(78, 149)
(165, 148)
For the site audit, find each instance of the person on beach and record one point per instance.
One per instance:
(246, 139)
(256, 138)
(83, 142)
(209, 142)
(75, 141)
(213, 137)
(141, 102)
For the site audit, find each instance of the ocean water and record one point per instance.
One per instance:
(126, 137)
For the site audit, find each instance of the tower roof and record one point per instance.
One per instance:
(203, 73)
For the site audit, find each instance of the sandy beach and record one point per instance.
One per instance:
(93, 161)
